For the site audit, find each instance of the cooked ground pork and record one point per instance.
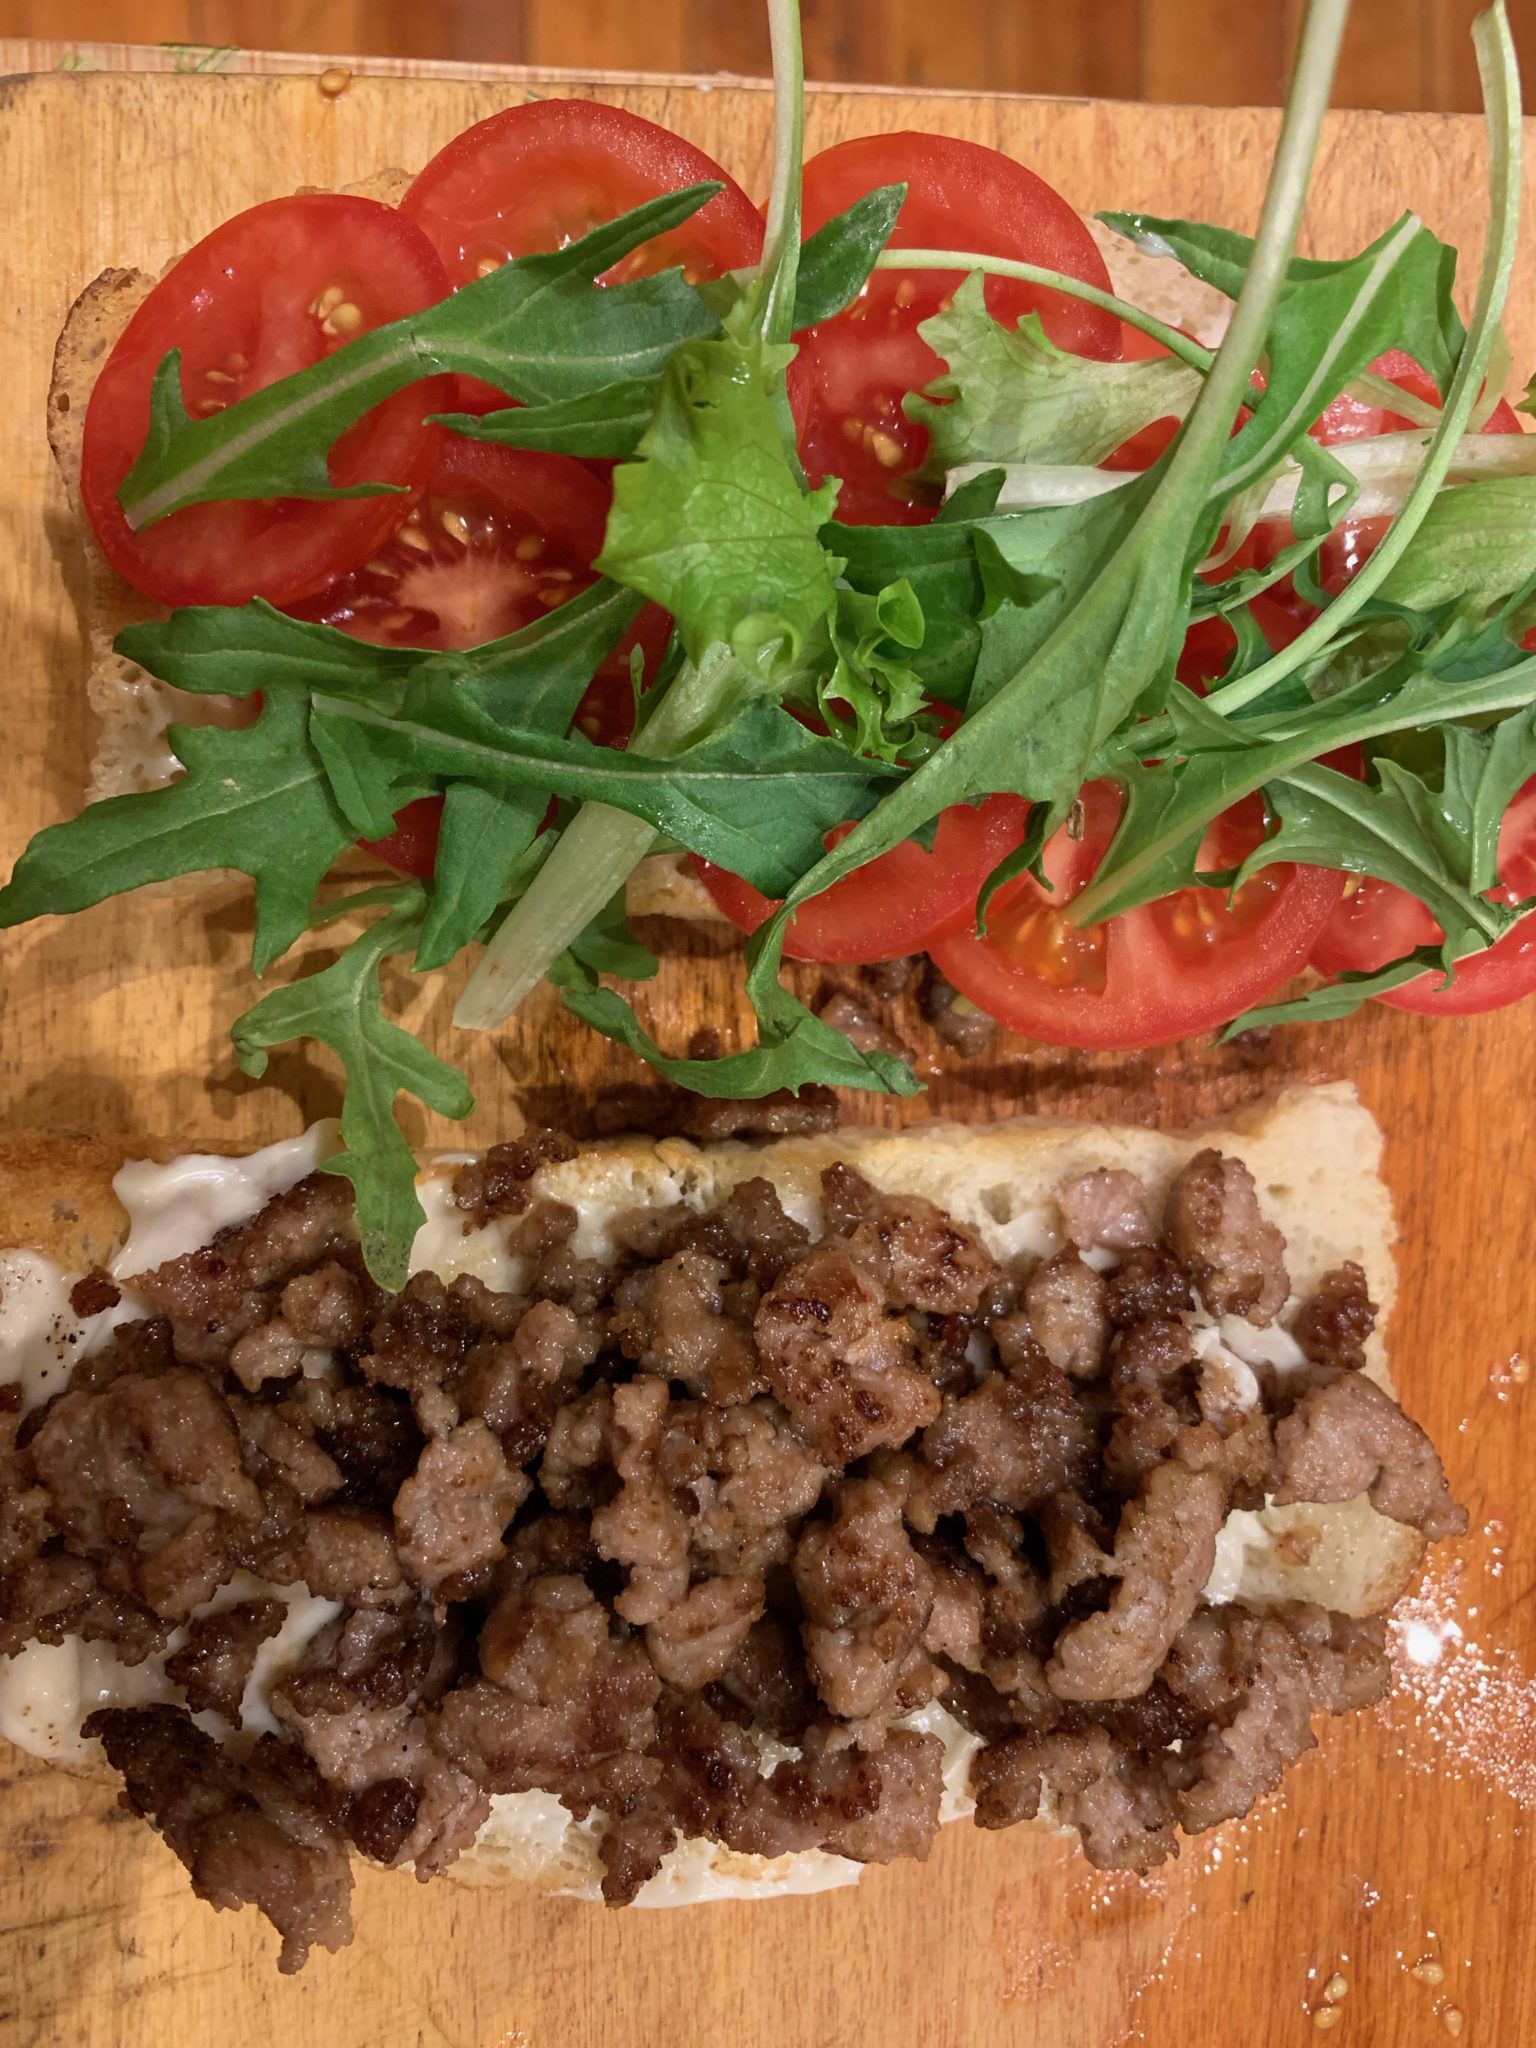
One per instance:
(602, 1534)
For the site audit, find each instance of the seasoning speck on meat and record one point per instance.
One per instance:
(605, 1534)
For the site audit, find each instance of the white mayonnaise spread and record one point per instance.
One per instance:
(49, 1689)
(173, 1209)
(40, 1335)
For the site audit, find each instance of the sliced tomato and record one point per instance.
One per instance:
(538, 176)
(1161, 972)
(500, 536)
(1353, 541)
(274, 290)
(411, 849)
(898, 904)
(859, 366)
(1375, 922)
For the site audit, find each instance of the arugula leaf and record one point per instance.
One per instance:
(836, 261)
(534, 328)
(484, 835)
(1168, 806)
(1341, 998)
(605, 424)
(256, 800)
(1475, 545)
(1331, 319)
(712, 522)
(757, 796)
(341, 1006)
(236, 650)
(1400, 831)
(1010, 395)
(795, 1048)
(608, 946)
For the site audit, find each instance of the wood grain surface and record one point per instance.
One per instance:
(1398, 53)
(1398, 1858)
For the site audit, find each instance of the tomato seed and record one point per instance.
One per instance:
(530, 547)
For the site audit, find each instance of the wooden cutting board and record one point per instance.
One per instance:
(1396, 1869)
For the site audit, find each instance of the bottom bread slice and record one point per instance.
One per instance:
(71, 1204)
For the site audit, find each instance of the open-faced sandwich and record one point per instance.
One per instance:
(701, 1523)
(890, 575)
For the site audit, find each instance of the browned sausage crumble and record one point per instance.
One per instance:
(601, 1536)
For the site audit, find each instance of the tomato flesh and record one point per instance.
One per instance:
(1375, 922)
(272, 291)
(539, 176)
(858, 367)
(1161, 972)
(898, 904)
(500, 537)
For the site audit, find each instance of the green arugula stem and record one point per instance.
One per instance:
(594, 857)
(1501, 94)
(781, 234)
(1192, 352)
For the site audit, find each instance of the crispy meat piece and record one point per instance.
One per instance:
(147, 1476)
(517, 1382)
(270, 1351)
(497, 1183)
(257, 1833)
(839, 1359)
(95, 1293)
(1235, 1257)
(1017, 1439)
(866, 1596)
(348, 1554)
(213, 1666)
(1148, 1285)
(921, 1257)
(561, 1692)
(958, 1023)
(678, 1320)
(1346, 1437)
(451, 1514)
(1118, 1801)
(1164, 1550)
(327, 1307)
(1105, 1209)
(360, 1706)
(215, 1294)
(694, 1642)
(1066, 1303)
(1332, 1324)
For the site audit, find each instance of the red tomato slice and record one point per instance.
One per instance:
(898, 904)
(1161, 972)
(1353, 541)
(275, 289)
(1376, 922)
(538, 176)
(499, 537)
(859, 366)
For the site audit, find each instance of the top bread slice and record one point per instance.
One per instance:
(133, 709)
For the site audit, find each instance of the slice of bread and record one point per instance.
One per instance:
(133, 709)
(1315, 1154)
